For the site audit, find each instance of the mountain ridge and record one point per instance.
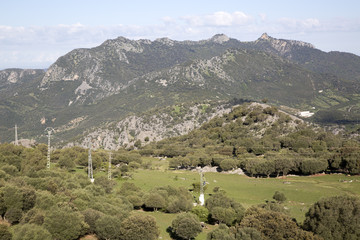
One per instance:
(121, 76)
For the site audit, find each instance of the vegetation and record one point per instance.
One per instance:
(264, 142)
(145, 199)
(335, 218)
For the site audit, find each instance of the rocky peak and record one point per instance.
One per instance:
(274, 41)
(11, 76)
(220, 38)
(265, 36)
(282, 46)
(165, 41)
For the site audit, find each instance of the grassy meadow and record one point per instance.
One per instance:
(301, 191)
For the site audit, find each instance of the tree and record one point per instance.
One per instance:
(90, 217)
(66, 162)
(33, 161)
(108, 227)
(64, 224)
(13, 197)
(105, 183)
(31, 232)
(154, 200)
(224, 209)
(224, 215)
(312, 166)
(29, 198)
(5, 234)
(245, 233)
(279, 196)
(139, 227)
(335, 218)
(228, 164)
(186, 225)
(35, 216)
(220, 233)
(201, 212)
(13, 215)
(273, 225)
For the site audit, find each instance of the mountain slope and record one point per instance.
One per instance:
(87, 88)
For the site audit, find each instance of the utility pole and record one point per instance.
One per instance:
(109, 170)
(16, 136)
(90, 166)
(49, 130)
(202, 184)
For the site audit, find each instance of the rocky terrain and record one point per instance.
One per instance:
(113, 84)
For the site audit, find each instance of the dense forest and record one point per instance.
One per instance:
(62, 202)
(264, 142)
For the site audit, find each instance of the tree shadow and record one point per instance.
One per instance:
(173, 234)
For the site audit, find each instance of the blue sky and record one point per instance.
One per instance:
(34, 33)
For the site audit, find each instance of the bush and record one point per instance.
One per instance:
(279, 196)
(335, 218)
(5, 234)
(228, 164)
(186, 225)
(31, 232)
(201, 212)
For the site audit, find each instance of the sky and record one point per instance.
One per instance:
(35, 33)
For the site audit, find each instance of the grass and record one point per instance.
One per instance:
(301, 192)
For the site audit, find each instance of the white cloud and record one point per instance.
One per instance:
(293, 25)
(218, 19)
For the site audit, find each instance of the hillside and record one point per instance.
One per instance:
(93, 88)
(263, 141)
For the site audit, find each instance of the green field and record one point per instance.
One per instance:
(301, 192)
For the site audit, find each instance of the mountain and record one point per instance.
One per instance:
(88, 89)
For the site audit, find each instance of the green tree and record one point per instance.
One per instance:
(335, 218)
(13, 215)
(31, 232)
(224, 209)
(154, 200)
(279, 196)
(202, 213)
(29, 198)
(223, 215)
(33, 161)
(274, 225)
(5, 234)
(105, 183)
(312, 166)
(228, 164)
(139, 227)
(245, 233)
(220, 233)
(108, 227)
(64, 224)
(35, 216)
(66, 162)
(137, 144)
(13, 197)
(90, 218)
(186, 225)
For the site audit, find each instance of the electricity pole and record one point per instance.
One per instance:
(109, 170)
(16, 136)
(90, 166)
(49, 130)
(202, 184)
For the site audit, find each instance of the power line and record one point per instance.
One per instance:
(109, 170)
(49, 130)
(16, 136)
(90, 166)
(202, 184)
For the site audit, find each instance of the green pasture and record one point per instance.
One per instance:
(301, 191)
